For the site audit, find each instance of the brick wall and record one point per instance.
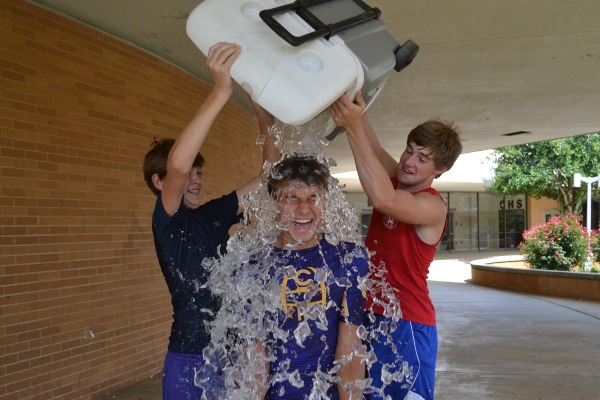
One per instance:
(83, 306)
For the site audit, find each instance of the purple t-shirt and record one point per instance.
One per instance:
(335, 292)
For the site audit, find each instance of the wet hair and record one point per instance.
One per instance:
(441, 137)
(299, 168)
(155, 161)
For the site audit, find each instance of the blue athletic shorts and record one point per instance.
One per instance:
(182, 373)
(406, 360)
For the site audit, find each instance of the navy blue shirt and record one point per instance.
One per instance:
(182, 242)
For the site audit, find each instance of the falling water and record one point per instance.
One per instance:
(252, 298)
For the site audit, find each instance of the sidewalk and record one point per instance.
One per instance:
(495, 344)
(507, 345)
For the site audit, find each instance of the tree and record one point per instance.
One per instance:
(546, 169)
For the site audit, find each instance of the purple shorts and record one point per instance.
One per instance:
(185, 375)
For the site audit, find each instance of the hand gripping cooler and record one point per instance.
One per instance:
(299, 57)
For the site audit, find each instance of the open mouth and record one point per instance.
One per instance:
(302, 224)
(194, 191)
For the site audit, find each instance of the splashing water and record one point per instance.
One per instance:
(309, 137)
(248, 328)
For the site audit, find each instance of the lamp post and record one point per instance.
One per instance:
(577, 179)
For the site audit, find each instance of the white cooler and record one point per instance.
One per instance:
(292, 77)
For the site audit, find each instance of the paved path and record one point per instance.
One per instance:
(506, 345)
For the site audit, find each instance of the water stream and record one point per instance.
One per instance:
(251, 313)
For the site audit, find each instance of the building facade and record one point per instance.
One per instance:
(478, 221)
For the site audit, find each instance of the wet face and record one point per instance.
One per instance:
(193, 188)
(301, 208)
(416, 168)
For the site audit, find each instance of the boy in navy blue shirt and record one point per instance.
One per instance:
(186, 231)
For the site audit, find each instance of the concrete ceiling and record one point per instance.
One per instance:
(494, 66)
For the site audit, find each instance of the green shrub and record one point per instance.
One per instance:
(559, 244)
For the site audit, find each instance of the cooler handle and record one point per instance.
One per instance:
(300, 7)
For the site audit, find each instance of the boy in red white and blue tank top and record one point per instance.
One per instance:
(408, 221)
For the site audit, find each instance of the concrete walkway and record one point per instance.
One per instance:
(507, 345)
(495, 344)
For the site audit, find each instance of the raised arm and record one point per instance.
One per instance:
(389, 163)
(179, 164)
(423, 209)
(270, 151)
(373, 176)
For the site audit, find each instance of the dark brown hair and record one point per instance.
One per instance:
(302, 168)
(155, 161)
(441, 137)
